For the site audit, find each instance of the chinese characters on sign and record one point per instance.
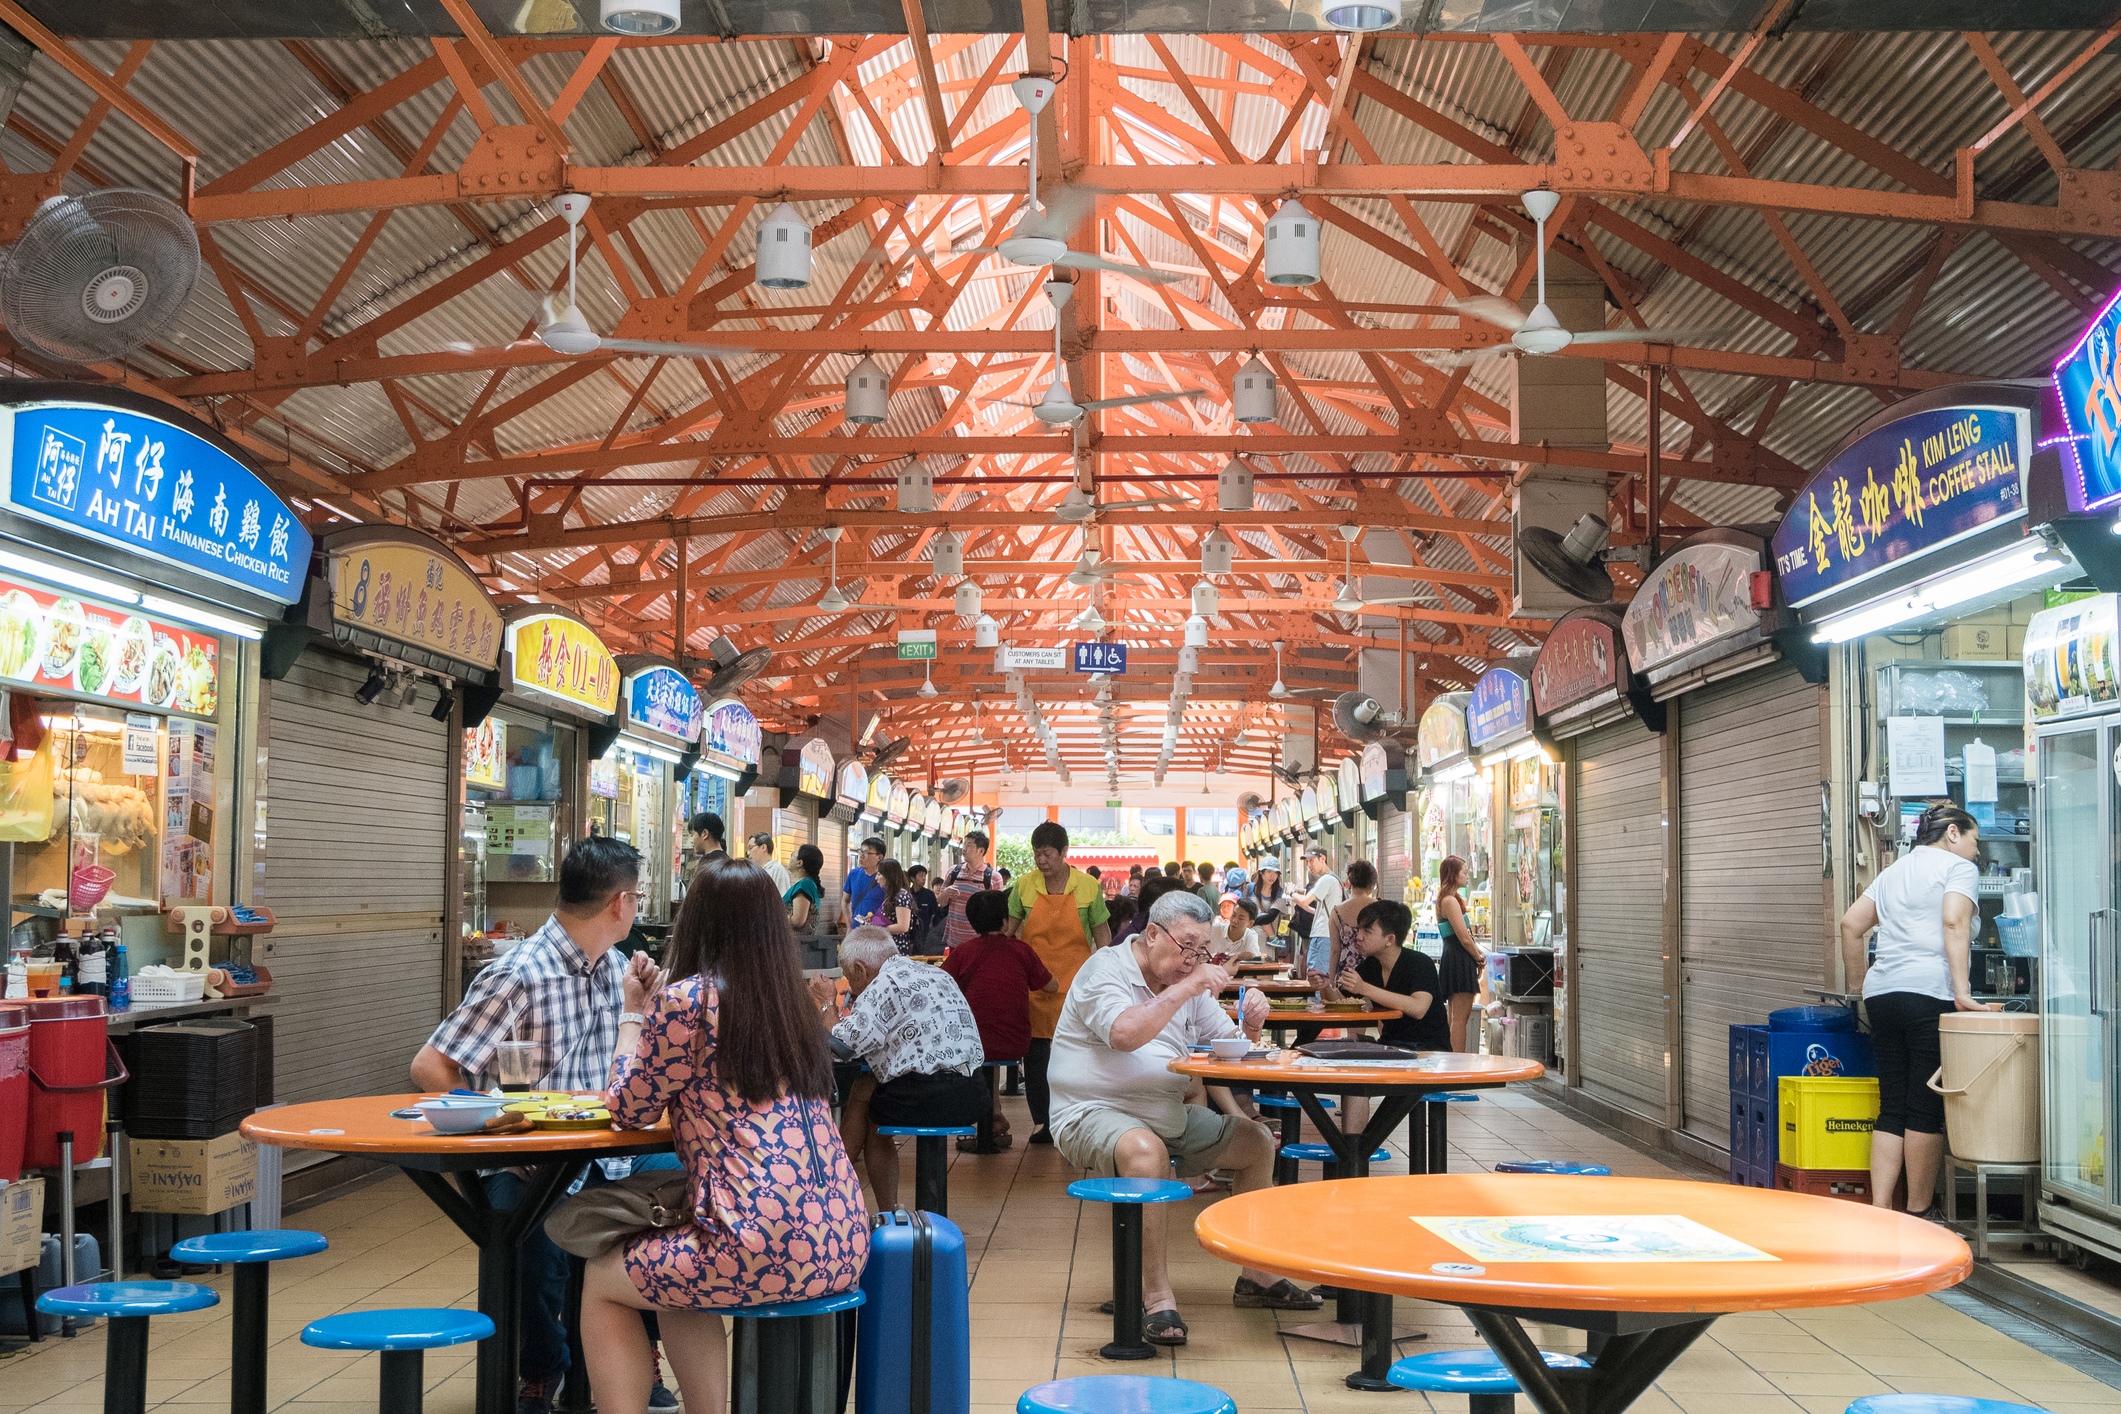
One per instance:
(1580, 659)
(1101, 657)
(565, 660)
(731, 740)
(1498, 708)
(416, 596)
(1902, 490)
(101, 471)
(662, 700)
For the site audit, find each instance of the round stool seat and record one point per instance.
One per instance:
(1937, 1404)
(119, 1299)
(1130, 1190)
(815, 1306)
(214, 1248)
(1449, 1097)
(1124, 1394)
(1467, 1371)
(1557, 1166)
(412, 1328)
(1323, 1153)
(1289, 1102)
(921, 1131)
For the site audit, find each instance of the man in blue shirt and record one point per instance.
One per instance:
(864, 890)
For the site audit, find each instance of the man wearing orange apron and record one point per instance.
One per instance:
(1060, 911)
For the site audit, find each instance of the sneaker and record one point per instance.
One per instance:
(1040, 1136)
(661, 1398)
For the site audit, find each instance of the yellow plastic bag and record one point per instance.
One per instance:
(26, 797)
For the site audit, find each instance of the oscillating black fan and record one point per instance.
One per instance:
(1574, 562)
(97, 276)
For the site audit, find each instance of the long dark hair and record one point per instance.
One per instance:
(732, 928)
(893, 875)
(1451, 875)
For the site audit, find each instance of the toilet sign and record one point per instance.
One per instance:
(1101, 657)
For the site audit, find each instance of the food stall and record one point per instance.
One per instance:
(839, 835)
(1522, 785)
(1360, 830)
(540, 765)
(730, 749)
(647, 770)
(1453, 812)
(1585, 697)
(806, 788)
(393, 649)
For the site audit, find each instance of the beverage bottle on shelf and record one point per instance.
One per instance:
(121, 990)
(93, 968)
(18, 969)
(64, 953)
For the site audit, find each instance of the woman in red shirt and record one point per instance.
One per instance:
(998, 974)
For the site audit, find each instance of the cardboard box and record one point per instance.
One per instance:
(21, 1223)
(2014, 642)
(1963, 641)
(195, 1176)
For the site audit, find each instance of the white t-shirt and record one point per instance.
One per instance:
(1086, 1073)
(1326, 890)
(1909, 897)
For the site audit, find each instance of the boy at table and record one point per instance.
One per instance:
(560, 987)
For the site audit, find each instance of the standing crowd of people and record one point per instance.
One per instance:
(1090, 997)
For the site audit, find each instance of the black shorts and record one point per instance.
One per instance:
(1904, 1038)
(944, 1101)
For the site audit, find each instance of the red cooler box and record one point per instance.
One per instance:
(70, 1072)
(14, 1089)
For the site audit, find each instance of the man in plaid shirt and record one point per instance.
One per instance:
(560, 988)
(972, 876)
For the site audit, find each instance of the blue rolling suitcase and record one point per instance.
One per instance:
(913, 1349)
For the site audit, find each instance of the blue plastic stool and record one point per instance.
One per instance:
(1569, 1167)
(931, 1161)
(252, 1255)
(1322, 1154)
(1480, 1375)
(1124, 1394)
(1126, 1195)
(1292, 1129)
(1436, 1141)
(794, 1357)
(403, 1336)
(128, 1306)
(1937, 1404)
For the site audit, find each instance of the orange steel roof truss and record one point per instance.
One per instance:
(617, 484)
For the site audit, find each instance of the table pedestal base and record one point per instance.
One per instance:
(1347, 1333)
(1629, 1363)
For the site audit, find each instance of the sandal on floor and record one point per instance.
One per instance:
(1282, 1296)
(973, 1146)
(1164, 1328)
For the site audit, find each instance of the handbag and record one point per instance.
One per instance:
(598, 1219)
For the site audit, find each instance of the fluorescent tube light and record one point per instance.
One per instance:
(204, 618)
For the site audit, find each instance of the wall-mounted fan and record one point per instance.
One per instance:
(1574, 562)
(732, 669)
(1361, 717)
(97, 276)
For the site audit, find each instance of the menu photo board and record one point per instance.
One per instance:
(55, 640)
(729, 738)
(413, 590)
(1442, 732)
(1501, 708)
(814, 769)
(2088, 383)
(854, 784)
(486, 754)
(2072, 658)
(1699, 594)
(1898, 492)
(151, 487)
(662, 700)
(562, 658)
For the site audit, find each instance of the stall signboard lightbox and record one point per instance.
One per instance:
(1441, 736)
(2088, 383)
(1698, 602)
(879, 802)
(1580, 678)
(895, 807)
(729, 739)
(1348, 787)
(854, 784)
(932, 820)
(1500, 712)
(1901, 491)
(661, 700)
(1383, 770)
(1328, 801)
(413, 592)
(814, 773)
(149, 487)
(562, 658)
(1307, 810)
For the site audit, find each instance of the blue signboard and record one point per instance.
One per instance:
(1500, 708)
(1100, 657)
(2088, 381)
(662, 700)
(1912, 486)
(102, 472)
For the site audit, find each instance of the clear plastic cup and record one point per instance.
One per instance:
(44, 976)
(518, 1064)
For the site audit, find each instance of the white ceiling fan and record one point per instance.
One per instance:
(1281, 689)
(1092, 570)
(562, 328)
(1059, 406)
(1347, 596)
(1540, 332)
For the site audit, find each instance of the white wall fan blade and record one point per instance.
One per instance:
(1491, 309)
(1076, 260)
(1652, 336)
(1100, 404)
(656, 349)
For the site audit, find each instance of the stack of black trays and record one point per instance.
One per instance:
(191, 1079)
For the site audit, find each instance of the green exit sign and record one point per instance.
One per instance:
(1114, 804)
(916, 651)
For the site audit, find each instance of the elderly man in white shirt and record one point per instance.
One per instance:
(1119, 1110)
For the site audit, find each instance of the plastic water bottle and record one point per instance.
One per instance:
(121, 987)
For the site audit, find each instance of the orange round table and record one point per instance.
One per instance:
(551, 1161)
(1646, 1263)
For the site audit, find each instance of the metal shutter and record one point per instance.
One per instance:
(1616, 955)
(1395, 863)
(356, 806)
(792, 828)
(1752, 925)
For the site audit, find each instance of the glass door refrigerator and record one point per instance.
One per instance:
(2072, 692)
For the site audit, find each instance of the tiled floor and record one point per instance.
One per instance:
(1041, 1266)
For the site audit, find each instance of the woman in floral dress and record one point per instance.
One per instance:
(727, 1043)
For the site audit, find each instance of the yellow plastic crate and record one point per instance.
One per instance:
(1826, 1123)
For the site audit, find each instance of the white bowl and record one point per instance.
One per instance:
(459, 1114)
(1230, 1048)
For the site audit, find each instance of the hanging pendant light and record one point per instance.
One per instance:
(868, 396)
(1292, 246)
(783, 261)
(1252, 395)
(946, 555)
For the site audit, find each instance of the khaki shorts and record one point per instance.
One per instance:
(1091, 1140)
